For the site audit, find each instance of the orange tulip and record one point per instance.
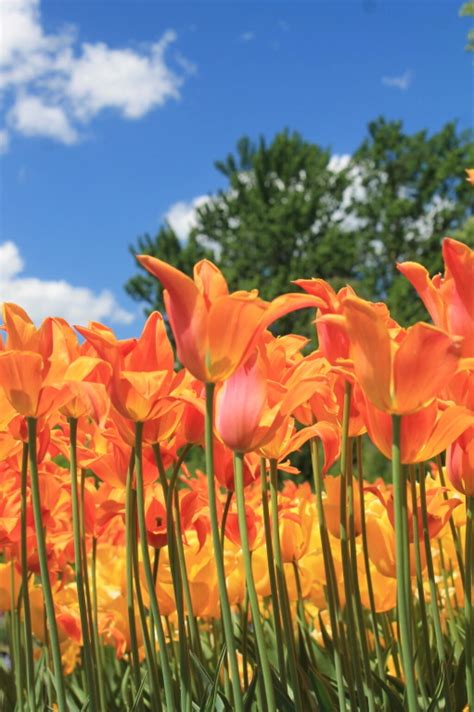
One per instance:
(460, 462)
(216, 331)
(142, 369)
(333, 342)
(424, 434)
(400, 371)
(449, 299)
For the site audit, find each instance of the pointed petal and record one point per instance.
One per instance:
(370, 350)
(451, 424)
(431, 297)
(424, 364)
(240, 404)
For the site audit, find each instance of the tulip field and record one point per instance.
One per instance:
(159, 549)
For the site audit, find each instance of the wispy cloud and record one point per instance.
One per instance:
(42, 298)
(247, 36)
(403, 81)
(52, 86)
(182, 215)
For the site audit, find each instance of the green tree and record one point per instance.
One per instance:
(410, 193)
(288, 210)
(275, 220)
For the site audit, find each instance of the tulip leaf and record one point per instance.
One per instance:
(249, 695)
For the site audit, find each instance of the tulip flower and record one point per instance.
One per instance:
(460, 462)
(400, 371)
(449, 299)
(424, 434)
(333, 341)
(142, 369)
(216, 331)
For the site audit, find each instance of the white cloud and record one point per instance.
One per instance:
(30, 116)
(41, 298)
(247, 36)
(182, 215)
(121, 79)
(402, 82)
(50, 85)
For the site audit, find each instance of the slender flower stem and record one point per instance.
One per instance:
(43, 561)
(282, 590)
(184, 661)
(95, 627)
(346, 484)
(402, 564)
(30, 665)
(468, 600)
(435, 614)
(328, 567)
(15, 638)
(368, 575)
(452, 526)
(420, 582)
(193, 626)
(228, 502)
(252, 592)
(86, 643)
(129, 544)
(271, 573)
(221, 582)
(150, 653)
(165, 665)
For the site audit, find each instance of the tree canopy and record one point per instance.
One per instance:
(289, 209)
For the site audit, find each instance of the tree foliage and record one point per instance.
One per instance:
(412, 192)
(289, 210)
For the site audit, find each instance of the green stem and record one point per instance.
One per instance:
(345, 485)
(435, 614)
(43, 561)
(368, 575)
(193, 626)
(165, 665)
(15, 646)
(30, 664)
(328, 567)
(252, 592)
(468, 600)
(452, 526)
(402, 565)
(221, 581)
(271, 573)
(228, 502)
(359, 613)
(419, 581)
(282, 590)
(150, 653)
(129, 544)
(184, 661)
(95, 627)
(86, 643)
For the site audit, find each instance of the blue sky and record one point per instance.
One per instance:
(113, 113)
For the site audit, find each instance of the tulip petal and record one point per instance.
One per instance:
(431, 297)
(240, 404)
(424, 364)
(21, 378)
(370, 349)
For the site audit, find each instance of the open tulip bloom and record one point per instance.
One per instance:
(218, 534)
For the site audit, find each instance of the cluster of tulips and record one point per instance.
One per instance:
(131, 579)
